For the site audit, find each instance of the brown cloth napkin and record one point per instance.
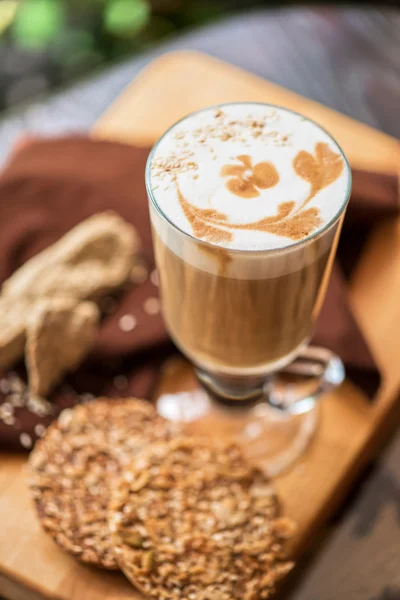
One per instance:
(51, 185)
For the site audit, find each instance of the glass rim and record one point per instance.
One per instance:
(314, 235)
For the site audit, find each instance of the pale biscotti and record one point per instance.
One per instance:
(59, 334)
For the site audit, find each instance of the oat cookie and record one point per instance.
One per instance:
(60, 332)
(73, 467)
(193, 520)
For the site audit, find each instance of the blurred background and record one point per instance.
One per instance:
(45, 44)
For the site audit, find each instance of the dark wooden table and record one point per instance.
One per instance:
(348, 59)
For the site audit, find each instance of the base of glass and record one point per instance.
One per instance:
(273, 418)
(270, 437)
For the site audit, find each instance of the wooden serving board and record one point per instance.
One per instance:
(31, 565)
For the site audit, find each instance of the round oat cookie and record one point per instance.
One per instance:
(193, 520)
(72, 469)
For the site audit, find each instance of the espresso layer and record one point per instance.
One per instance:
(231, 325)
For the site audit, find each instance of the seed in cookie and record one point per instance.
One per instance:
(72, 468)
(193, 520)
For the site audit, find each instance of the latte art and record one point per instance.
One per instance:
(248, 176)
(244, 178)
(247, 181)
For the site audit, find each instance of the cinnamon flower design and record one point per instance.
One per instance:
(320, 170)
(246, 180)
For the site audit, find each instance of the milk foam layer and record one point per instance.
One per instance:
(248, 177)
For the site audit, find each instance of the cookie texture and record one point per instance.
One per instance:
(193, 520)
(59, 335)
(73, 468)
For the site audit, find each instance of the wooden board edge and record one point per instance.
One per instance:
(179, 55)
(17, 588)
(378, 437)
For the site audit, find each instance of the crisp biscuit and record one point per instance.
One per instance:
(193, 520)
(59, 335)
(73, 467)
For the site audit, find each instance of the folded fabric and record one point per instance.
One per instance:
(51, 185)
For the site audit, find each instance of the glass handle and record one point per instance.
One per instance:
(296, 388)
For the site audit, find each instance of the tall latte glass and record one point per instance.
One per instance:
(246, 204)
